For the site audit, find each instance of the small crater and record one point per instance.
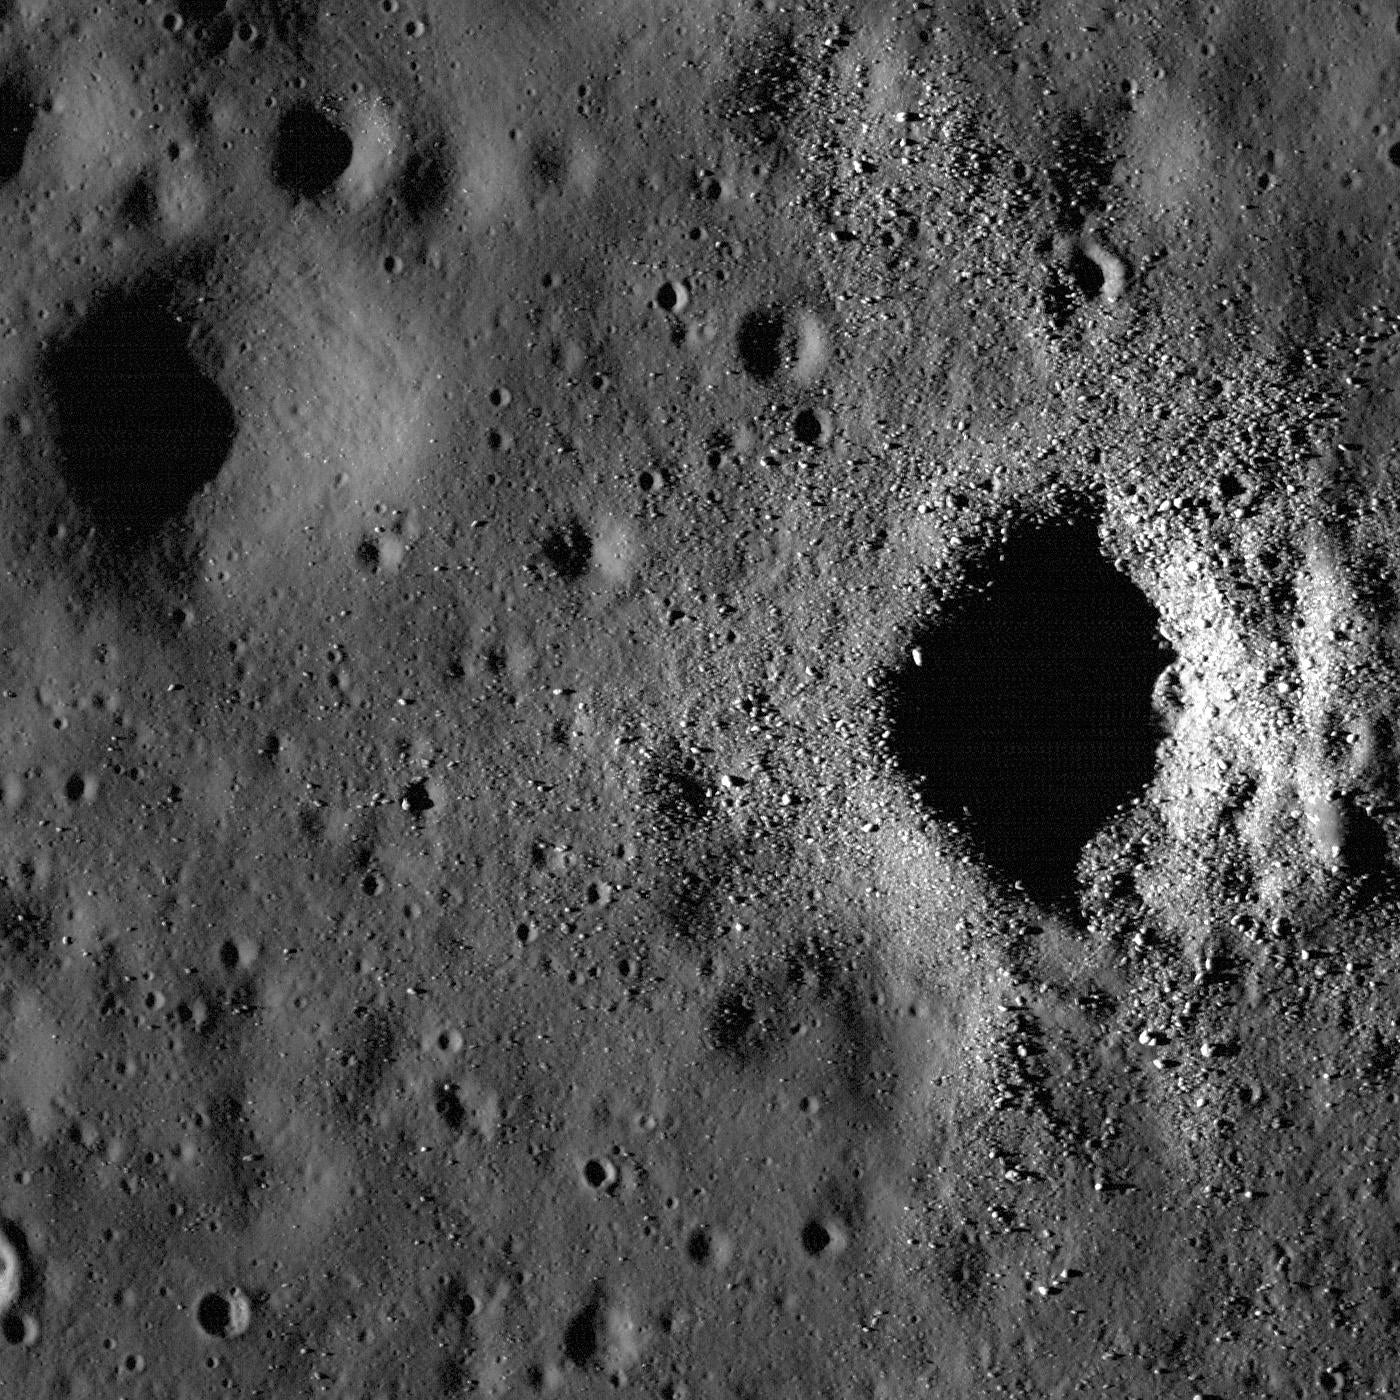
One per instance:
(583, 1335)
(1230, 487)
(382, 553)
(450, 1108)
(1360, 848)
(421, 797)
(223, 1313)
(699, 1248)
(672, 297)
(812, 427)
(17, 111)
(237, 954)
(782, 340)
(311, 153)
(1081, 172)
(678, 790)
(19, 1329)
(424, 188)
(1086, 273)
(770, 91)
(821, 1239)
(600, 1173)
(709, 1249)
(760, 342)
(568, 549)
(80, 788)
(141, 429)
(11, 1271)
(734, 1026)
(141, 205)
(1083, 272)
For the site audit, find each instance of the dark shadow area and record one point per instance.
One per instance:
(568, 549)
(1086, 274)
(1069, 286)
(426, 184)
(1081, 172)
(17, 112)
(1364, 857)
(449, 1107)
(582, 1339)
(312, 153)
(770, 89)
(760, 342)
(141, 430)
(1030, 719)
(214, 1314)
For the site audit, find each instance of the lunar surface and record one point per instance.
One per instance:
(699, 700)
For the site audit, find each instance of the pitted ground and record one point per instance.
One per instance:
(469, 925)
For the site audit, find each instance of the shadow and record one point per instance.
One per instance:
(1030, 720)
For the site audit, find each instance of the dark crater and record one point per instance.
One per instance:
(568, 550)
(17, 113)
(141, 430)
(760, 341)
(448, 1105)
(424, 188)
(1076, 280)
(765, 99)
(311, 152)
(1030, 721)
(583, 1336)
(1081, 171)
(214, 1315)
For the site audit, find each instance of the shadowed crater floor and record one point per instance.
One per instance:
(17, 112)
(1029, 719)
(141, 430)
(311, 154)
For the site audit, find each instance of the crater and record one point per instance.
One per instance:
(774, 340)
(771, 90)
(568, 550)
(583, 1335)
(1086, 274)
(16, 125)
(311, 153)
(426, 184)
(141, 430)
(449, 1107)
(1083, 273)
(223, 1313)
(1081, 171)
(1025, 715)
(760, 342)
